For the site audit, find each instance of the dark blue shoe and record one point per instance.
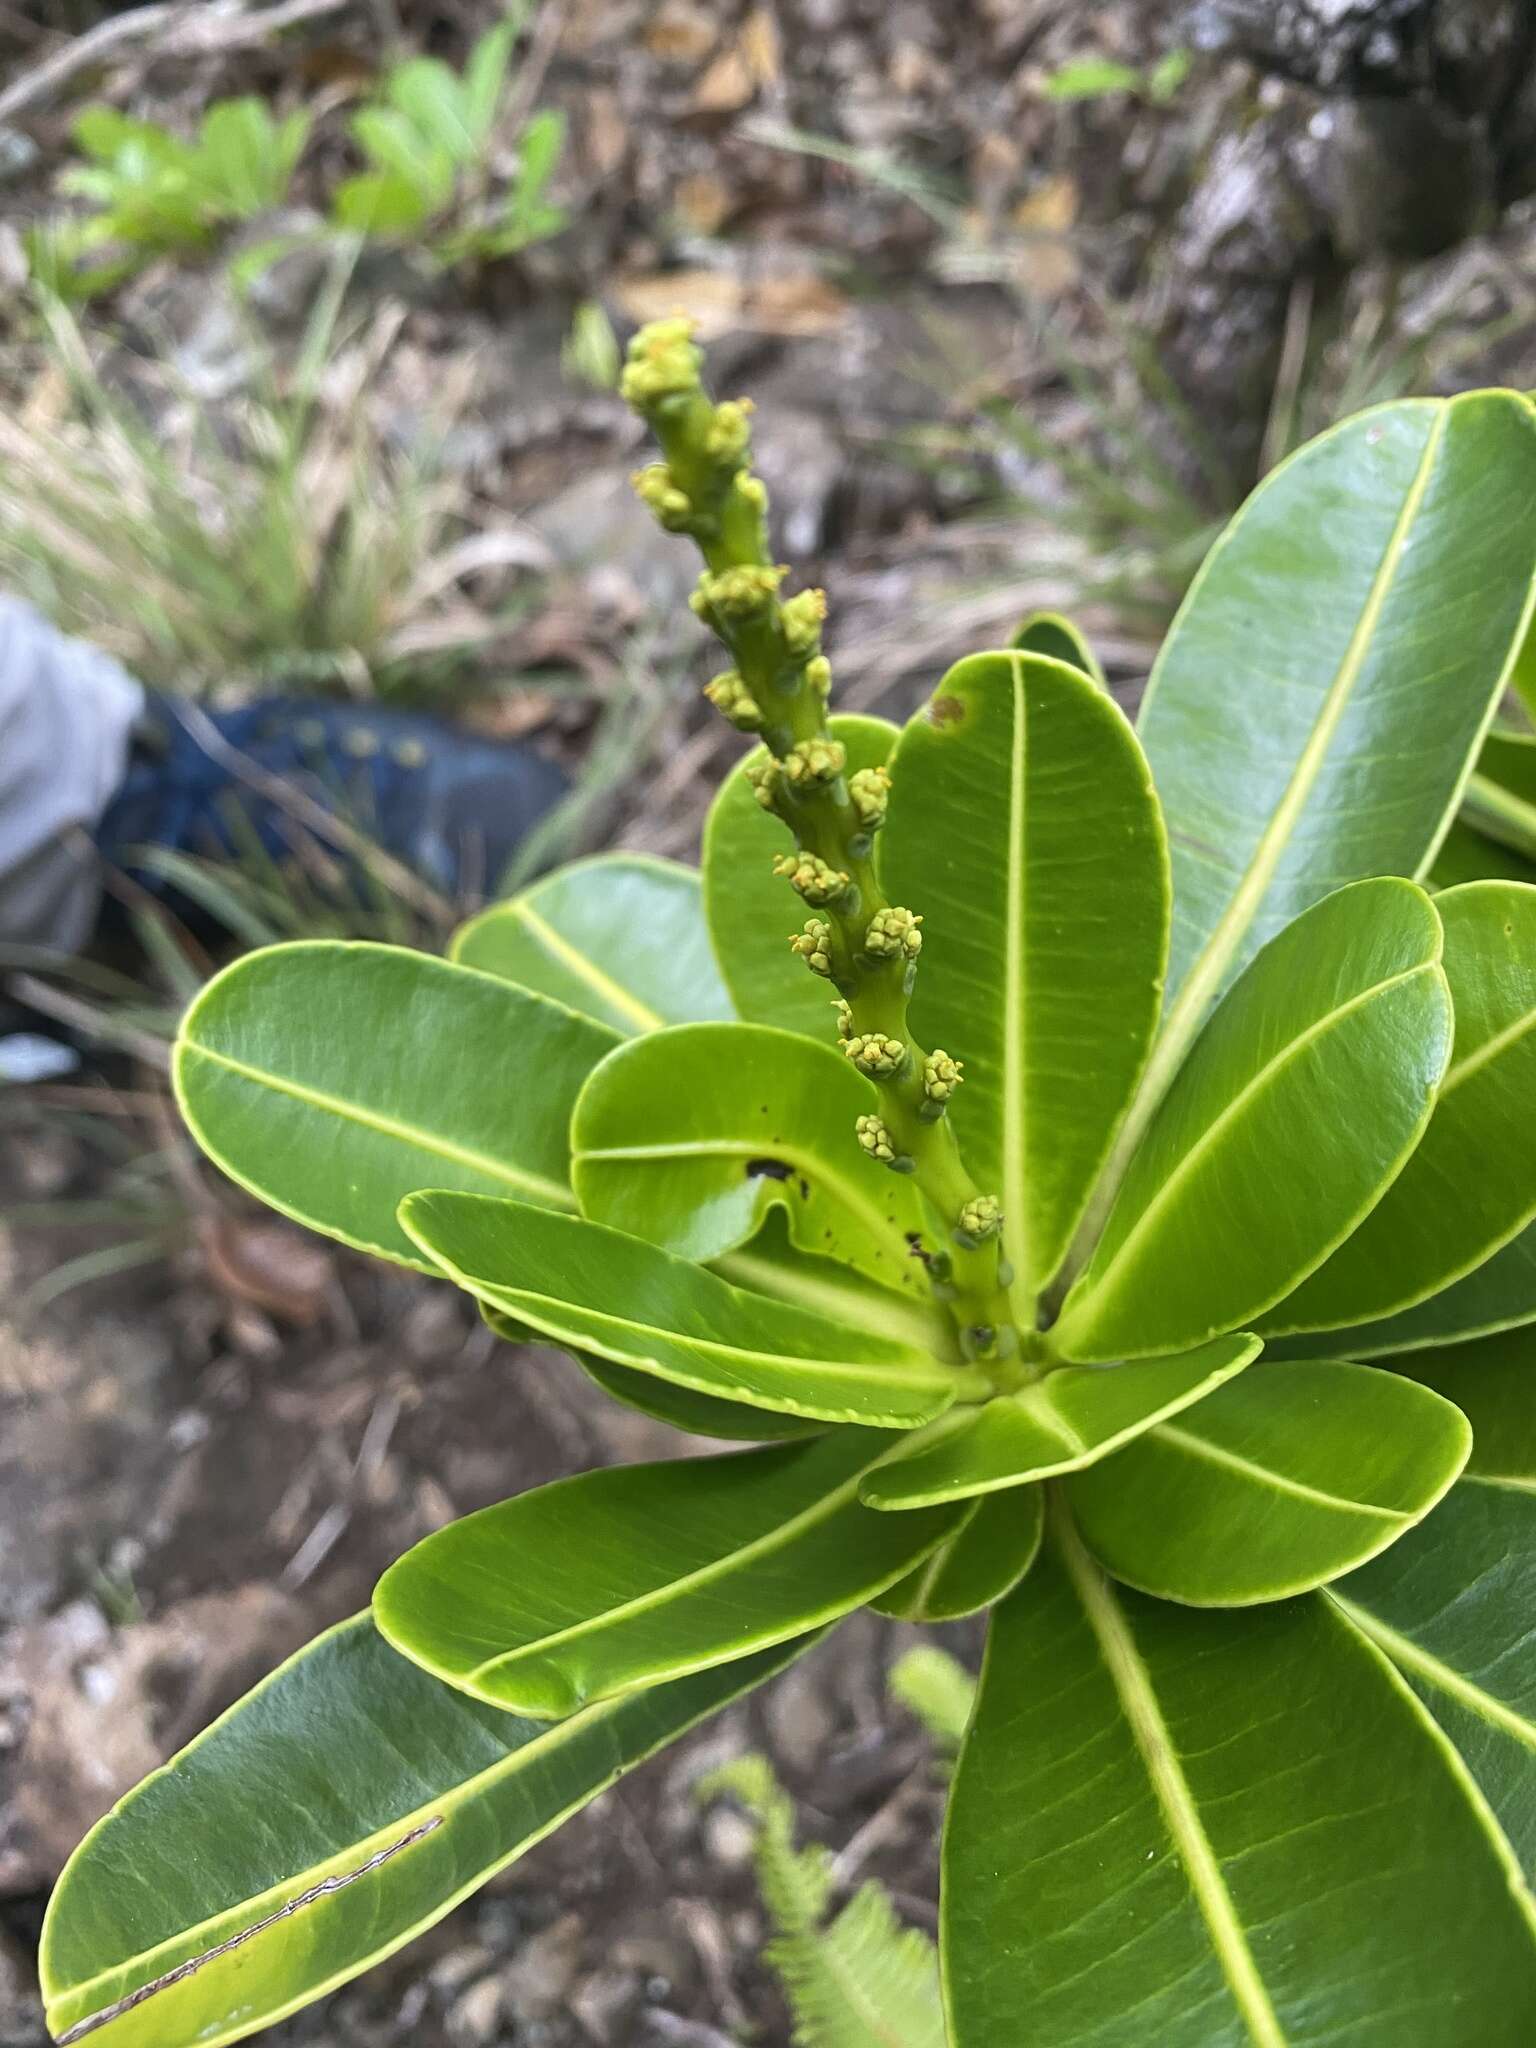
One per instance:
(450, 806)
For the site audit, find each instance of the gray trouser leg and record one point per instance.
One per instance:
(66, 718)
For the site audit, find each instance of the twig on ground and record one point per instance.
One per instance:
(178, 28)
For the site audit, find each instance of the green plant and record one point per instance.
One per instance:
(275, 538)
(431, 179)
(1252, 1754)
(153, 193)
(1093, 78)
(856, 1978)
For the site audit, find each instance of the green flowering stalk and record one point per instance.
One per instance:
(777, 688)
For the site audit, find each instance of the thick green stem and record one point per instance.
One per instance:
(863, 944)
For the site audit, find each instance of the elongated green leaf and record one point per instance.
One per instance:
(985, 1559)
(679, 1407)
(1296, 1109)
(1216, 1831)
(600, 1291)
(342, 1807)
(1276, 1484)
(1069, 1419)
(1471, 1184)
(1024, 828)
(1451, 1604)
(332, 1079)
(1500, 1295)
(630, 1577)
(1053, 633)
(751, 911)
(690, 1136)
(1335, 747)
(620, 937)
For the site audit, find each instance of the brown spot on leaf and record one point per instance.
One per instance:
(946, 711)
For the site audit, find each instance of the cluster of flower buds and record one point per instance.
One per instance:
(816, 880)
(874, 1135)
(894, 935)
(869, 791)
(876, 1053)
(941, 1077)
(814, 764)
(735, 702)
(814, 946)
(981, 1218)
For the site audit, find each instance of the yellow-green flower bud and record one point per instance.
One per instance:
(876, 1139)
(815, 763)
(875, 1054)
(802, 617)
(941, 1076)
(730, 433)
(657, 488)
(752, 491)
(814, 945)
(812, 876)
(662, 361)
(764, 778)
(736, 595)
(893, 935)
(844, 1021)
(981, 1218)
(869, 790)
(818, 675)
(733, 700)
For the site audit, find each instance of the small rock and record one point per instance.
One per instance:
(535, 1983)
(475, 2014)
(606, 2003)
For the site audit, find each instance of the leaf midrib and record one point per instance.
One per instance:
(1138, 1698)
(550, 1194)
(1280, 1482)
(355, 1854)
(1210, 966)
(701, 1575)
(586, 969)
(1015, 1009)
(1491, 1049)
(1435, 1672)
(1239, 1102)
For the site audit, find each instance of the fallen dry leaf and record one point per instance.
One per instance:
(268, 1265)
(790, 303)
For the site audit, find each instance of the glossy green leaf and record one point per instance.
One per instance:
(1216, 1831)
(1471, 1184)
(620, 937)
(632, 1576)
(983, 1561)
(1296, 1109)
(1500, 1295)
(1278, 1483)
(751, 911)
(678, 1407)
(1054, 634)
(690, 1136)
(1451, 1604)
(600, 1291)
(1024, 828)
(1326, 685)
(341, 1808)
(1069, 1419)
(332, 1079)
(770, 1264)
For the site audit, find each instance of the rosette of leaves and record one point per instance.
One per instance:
(1114, 1208)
